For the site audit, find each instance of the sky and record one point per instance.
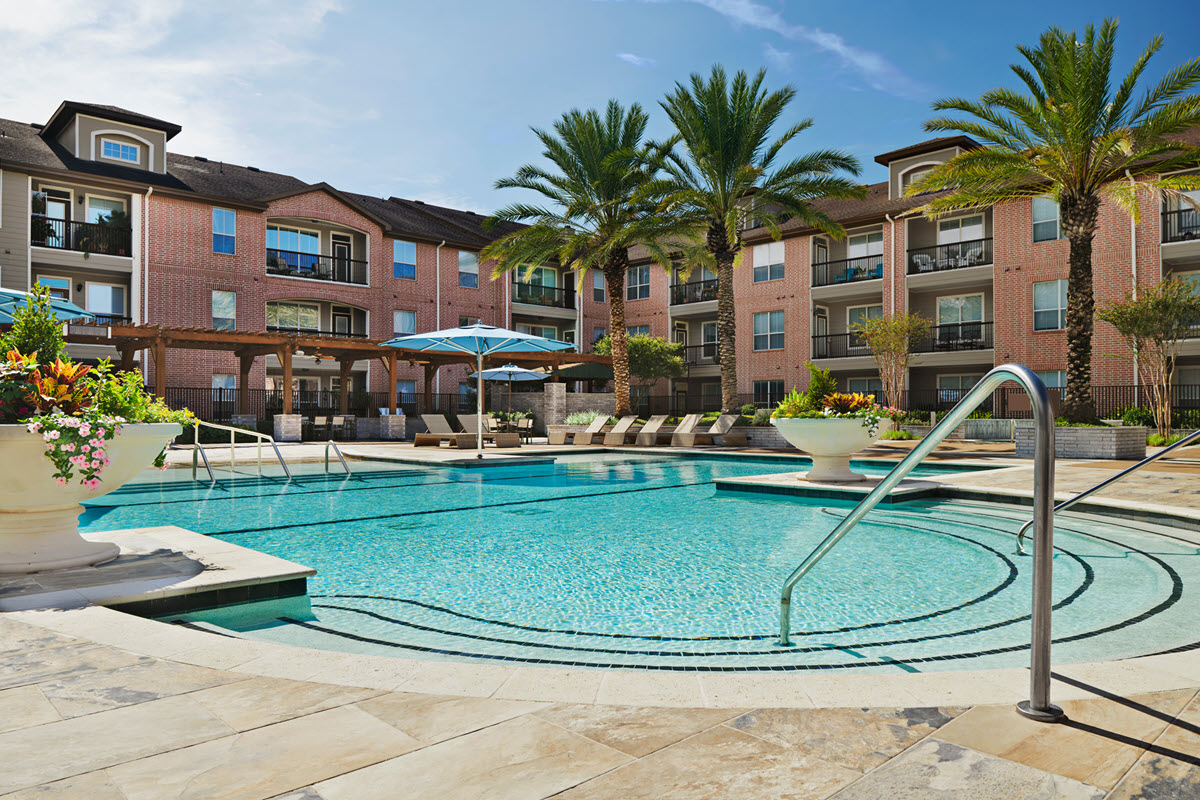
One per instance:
(434, 100)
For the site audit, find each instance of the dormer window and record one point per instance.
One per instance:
(120, 151)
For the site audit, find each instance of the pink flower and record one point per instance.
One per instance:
(61, 481)
(34, 427)
(86, 448)
(92, 484)
(50, 435)
(94, 464)
(67, 447)
(85, 429)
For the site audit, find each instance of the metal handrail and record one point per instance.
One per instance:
(1038, 706)
(1107, 482)
(338, 452)
(233, 432)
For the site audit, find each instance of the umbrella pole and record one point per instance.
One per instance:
(479, 407)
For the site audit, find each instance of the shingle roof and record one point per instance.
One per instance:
(68, 108)
(204, 176)
(927, 146)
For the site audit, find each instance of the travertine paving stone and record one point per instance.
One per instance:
(63, 662)
(936, 770)
(264, 701)
(90, 692)
(720, 763)
(1158, 777)
(90, 786)
(17, 638)
(521, 759)
(635, 731)
(265, 761)
(25, 707)
(435, 718)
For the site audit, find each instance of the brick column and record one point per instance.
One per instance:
(556, 404)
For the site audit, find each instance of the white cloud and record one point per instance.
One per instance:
(874, 69)
(636, 60)
(780, 59)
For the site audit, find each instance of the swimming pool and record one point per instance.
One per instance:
(635, 562)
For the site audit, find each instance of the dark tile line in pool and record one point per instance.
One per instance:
(216, 598)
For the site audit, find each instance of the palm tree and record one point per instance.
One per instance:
(1075, 139)
(725, 130)
(598, 210)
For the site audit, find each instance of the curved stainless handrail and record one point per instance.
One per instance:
(1038, 706)
(1108, 482)
(337, 451)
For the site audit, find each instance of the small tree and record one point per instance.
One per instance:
(1153, 325)
(650, 358)
(35, 328)
(892, 340)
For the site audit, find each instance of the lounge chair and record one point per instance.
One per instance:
(620, 432)
(648, 435)
(588, 436)
(525, 429)
(489, 432)
(685, 430)
(340, 426)
(722, 429)
(439, 431)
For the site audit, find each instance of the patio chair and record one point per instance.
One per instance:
(923, 263)
(648, 435)
(875, 271)
(588, 436)
(525, 429)
(490, 434)
(722, 429)
(320, 428)
(684, 429)
(620, 432)
(439, 431)
(339, 427)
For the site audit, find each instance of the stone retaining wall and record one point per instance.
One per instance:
(1125, 443)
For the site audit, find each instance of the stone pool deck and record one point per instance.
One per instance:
(99, 704)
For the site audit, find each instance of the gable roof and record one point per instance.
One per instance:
(69, 108)
(927, 146)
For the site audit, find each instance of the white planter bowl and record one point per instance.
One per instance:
(39, 520)
(830, 443)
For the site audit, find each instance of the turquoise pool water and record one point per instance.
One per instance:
(637, 562)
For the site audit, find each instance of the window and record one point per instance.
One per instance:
(106, 300)
(295, 247)
(637, 282)
(963, 229)
(291, 316)
(224, 381)
(404, 260)
(545, 331)
(951, 388)
(224, 225)
(468, 270)
(768, 393)
(465, 321)
(406, 389)
(464, 390)
(120, 151)
(59, 287)
(101, 208)
(708, 336)
(224, 311)
(768, 262)
(1045, 219)
(710, 395)
(598, 334)
(1049, 305)
(866, 244)
(598, 286)
(959, 319)
(856, 315)
(768, 330)
(865, 386)
(404, 322)
(1053, 378)
(638, 330)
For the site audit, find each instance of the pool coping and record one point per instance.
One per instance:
(78, 615)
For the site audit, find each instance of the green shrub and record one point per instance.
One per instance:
(1154, 440)
(749, 410)
(916, 418)
(979, 413)
(900, 434)
(762, 418)
(584, 417)
(821, 384)
(1138, 416)
(36, 329)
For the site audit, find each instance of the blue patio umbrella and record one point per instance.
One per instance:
(510, 373)
(478, 340)
(11, 300)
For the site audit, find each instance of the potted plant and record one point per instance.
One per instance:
(68, 433)
(831, 426)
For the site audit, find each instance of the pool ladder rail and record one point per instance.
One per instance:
(1194, 435)
(198, 449)
(1038, 706)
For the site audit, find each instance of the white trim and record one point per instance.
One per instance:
(982, 307)
(88, 284)
(70, 284)
(87, 200)
(117, 132)
(137, 150)
(314, 280)
(900, 175)
(867, 305)
(29, 231)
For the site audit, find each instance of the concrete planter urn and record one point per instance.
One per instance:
(39, 519)
(830, 442)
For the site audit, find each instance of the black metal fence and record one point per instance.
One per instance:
(974, 253)
(696, 355)
(847, 270)
(336, 269)
(956, 336)
(839, 345)
(220, 405)
(1182, 225)
(88, 237)
(551, 296)
(1011, 402)
(694, 292)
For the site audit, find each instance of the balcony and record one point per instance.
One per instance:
(694, 292)
(1181, 225)
(847, 270)
(975, 253)
(314, 332)
(839, 345)
(956, 337)
(82, 237)
(335, 269)
(701, 355)
(547, 296)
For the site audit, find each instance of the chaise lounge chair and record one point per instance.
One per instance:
(722, 429)
(685, 431)
(648, 435)
(489, 434)
(620, 432)
(439, 431)
(588, 436)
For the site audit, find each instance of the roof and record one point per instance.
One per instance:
(69, 108)
(927, 146)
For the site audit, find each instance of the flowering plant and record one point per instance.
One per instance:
(77, 443)
(837, 405)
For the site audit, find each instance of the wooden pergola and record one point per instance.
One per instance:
(128, 339)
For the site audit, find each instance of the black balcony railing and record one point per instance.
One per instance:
(694, 292)
(848, 270)
(314, 332)
(698, 355)
(336, 269)
(839, 345)
(974, 253)
(85, 237)
(550, 296)
(1181, 225)
(956, 336)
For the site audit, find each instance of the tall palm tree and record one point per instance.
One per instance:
(725, 130)
(1075, 139)
(598, 209)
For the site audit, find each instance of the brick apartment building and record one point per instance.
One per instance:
(94, 206)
